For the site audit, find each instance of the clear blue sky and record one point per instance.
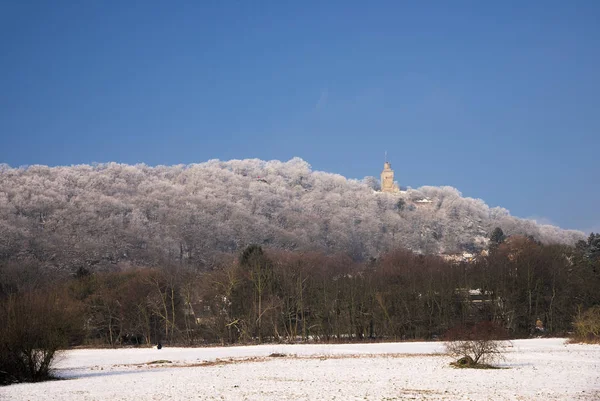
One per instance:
(500, 99)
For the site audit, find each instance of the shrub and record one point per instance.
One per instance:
(478, 345)
(33, 327)
(587, 325)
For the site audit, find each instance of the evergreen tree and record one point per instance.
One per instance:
(497, 237)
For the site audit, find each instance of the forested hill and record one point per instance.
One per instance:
(104, 214)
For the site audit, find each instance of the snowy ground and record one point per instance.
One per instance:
(543, 369)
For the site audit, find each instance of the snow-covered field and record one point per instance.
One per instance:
(541, 369)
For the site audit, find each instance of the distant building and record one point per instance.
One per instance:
(387, 179)
(460, 257)
(423, 202)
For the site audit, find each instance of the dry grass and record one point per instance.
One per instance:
(158, 361)
(475, 366)
(230, 361)
(221, 362)
(583, 340)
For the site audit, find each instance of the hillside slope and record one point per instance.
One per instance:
(115, 213)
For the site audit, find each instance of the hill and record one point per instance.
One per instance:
(107, 214)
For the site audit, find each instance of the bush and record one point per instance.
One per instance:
(478, 345)
(33, 327)
(587, 325)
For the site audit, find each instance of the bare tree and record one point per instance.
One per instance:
(478, 346)
(33, 328)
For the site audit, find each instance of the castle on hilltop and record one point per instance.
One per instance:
(387, 179)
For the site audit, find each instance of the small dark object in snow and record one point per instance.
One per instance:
(465, 361)
(158, 346)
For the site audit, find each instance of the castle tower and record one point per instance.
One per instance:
(387, 179)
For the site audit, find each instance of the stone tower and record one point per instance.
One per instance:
(387, 179)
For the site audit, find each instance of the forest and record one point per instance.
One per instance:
(274, 295)
(108, 217)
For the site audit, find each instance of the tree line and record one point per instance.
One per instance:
(270, 295)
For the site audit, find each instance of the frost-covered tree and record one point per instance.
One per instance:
(115, 215)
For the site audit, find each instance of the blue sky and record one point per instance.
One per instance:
(498, 99)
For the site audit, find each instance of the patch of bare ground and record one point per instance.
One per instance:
(158, 361)
(255, 359)
(466, 362)
(372, 356)
(416, 394)
(475, 366)
(227, 361)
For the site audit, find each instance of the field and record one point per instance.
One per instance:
(539, 369)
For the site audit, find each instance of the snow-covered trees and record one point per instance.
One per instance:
(112, 214)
